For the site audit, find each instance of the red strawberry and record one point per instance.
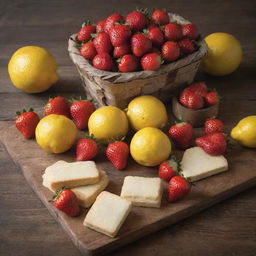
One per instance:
(168, 169)
(86, 149)
(128, 63)
(103, 61)
(213, 126)
(160, 17)
(100, 26)
(212, 98)
(136, 20)
(111, 20)
(199, 88)
(80, 111)
(155, 34)
(66, 201)
(187, 46)
(173, 32)
(88, 51)
(151, 61)
(181, 135)
(120, 51)
(102, 43)
(117, 153)
(140, 44)
(170, 51)
(178, 188)
(119, 35)
(191, 100)
(26, 123)
(85, 32)
(214, 144)
(58, 106)
(190, 31)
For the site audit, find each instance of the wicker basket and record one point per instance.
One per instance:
(115, 88)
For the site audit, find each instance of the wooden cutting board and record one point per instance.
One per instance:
(141, 221)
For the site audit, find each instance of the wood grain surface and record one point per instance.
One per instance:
(26, 228)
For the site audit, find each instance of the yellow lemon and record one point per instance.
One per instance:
(150, 146)
(108, 123)
(56, 133)
(245, 132)
(32, 69)
(146, 111)
(224, 54)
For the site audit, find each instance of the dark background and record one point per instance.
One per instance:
(26, 227)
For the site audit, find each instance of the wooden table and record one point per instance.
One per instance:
(26, 227)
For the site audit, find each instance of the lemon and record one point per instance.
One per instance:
(146, 111)
(108, 123)
(56, 133)
(224, 54)
(245, 132)
(32, 69)
(150, 146)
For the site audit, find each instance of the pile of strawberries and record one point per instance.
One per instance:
(139, 41)
(197, 96)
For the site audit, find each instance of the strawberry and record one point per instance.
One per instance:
(88, 51)
(117, 153)
(103, 61)
(191, 100)
(199, 88)
(58, 106)
(151, 61)
(155, 34)
(100, 26)
(102, 43)
(120, 51)
(213, 126)
(181, 135)
(178, 188)
(140, 44)
(214, 144)
(137, 20)
(26, 123)
(119, 35)
(128, 63)
(66, 201)
(111, 20)
(173, 32)
(190, 31)
(212, 98)
(80, 111)
(170, 51)
(160, 17)
(85, 32)
(187, 46)
(86, 149)
(168, 169)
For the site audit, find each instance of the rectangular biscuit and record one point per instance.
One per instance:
(86, 195)
(71, 175)
(108, 213)
(141, 191)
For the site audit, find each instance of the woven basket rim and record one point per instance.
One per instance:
(118, 77)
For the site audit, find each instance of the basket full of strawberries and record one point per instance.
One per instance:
(120, 57)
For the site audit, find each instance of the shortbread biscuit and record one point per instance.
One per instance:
(71, 175)
(108, 213)
(86, 195)
(141, 191)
